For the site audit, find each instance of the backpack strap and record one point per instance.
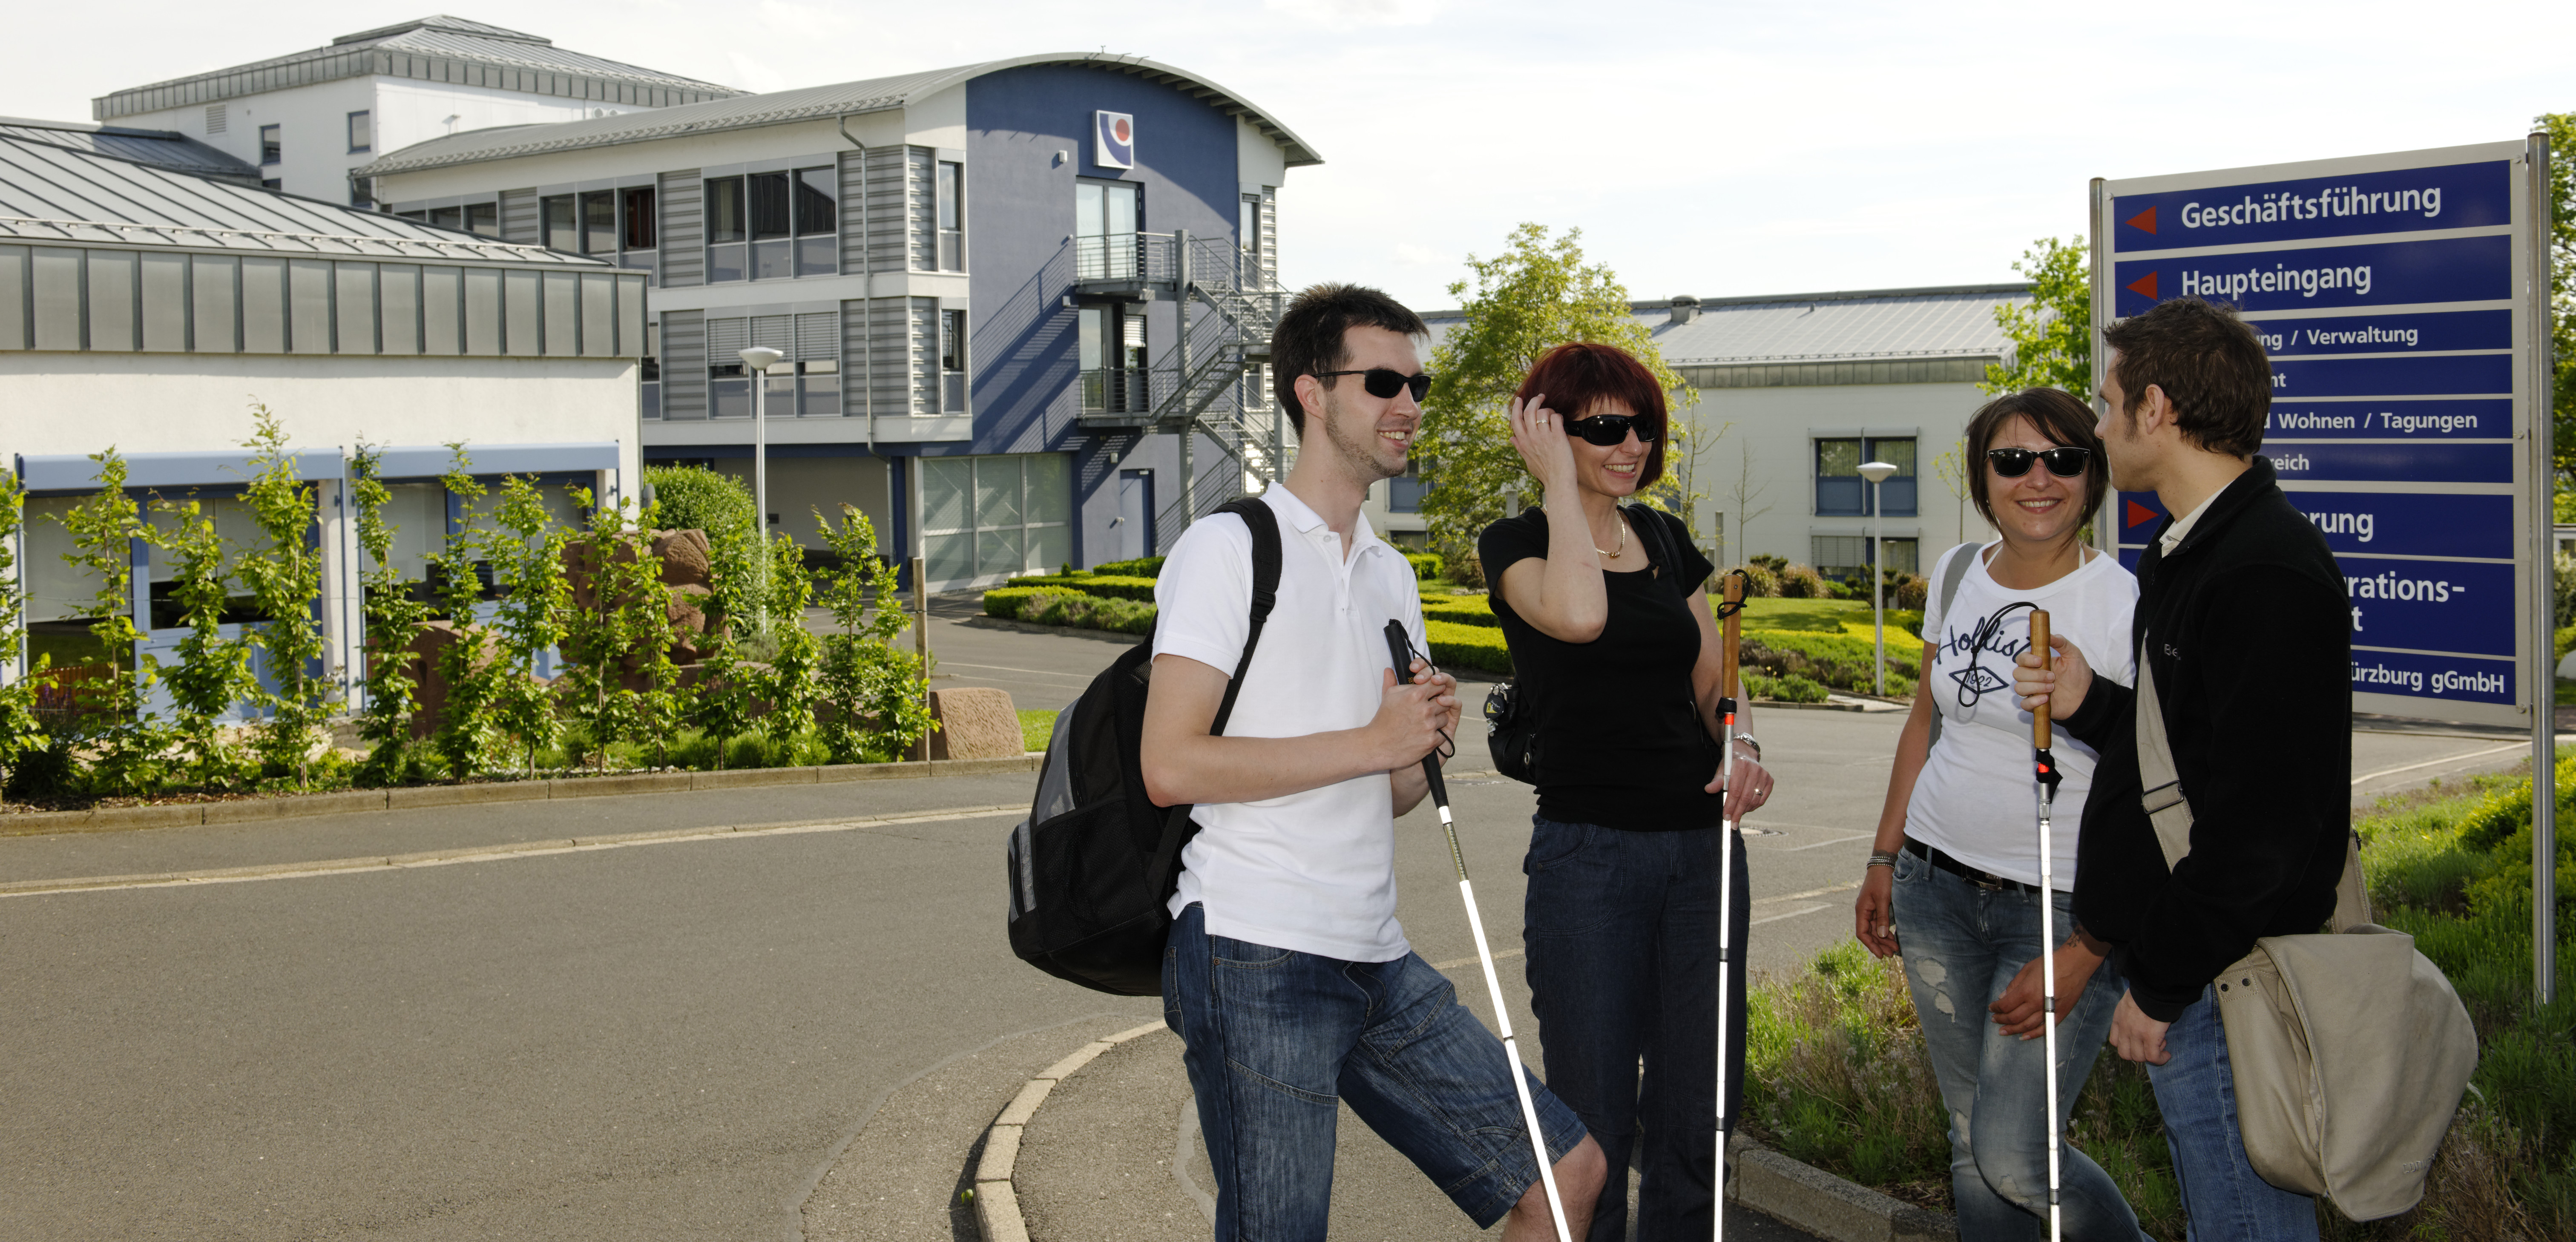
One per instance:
(1961, 556)
(1667, 556)
(1264, 524)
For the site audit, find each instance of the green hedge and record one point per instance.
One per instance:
(1004, 602)
(1461, 610)
(1427, 566)
(1106, 586)
(1467, 646)
(1141, 567)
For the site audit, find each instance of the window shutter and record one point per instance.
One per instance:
(726, 338)
(818, 336)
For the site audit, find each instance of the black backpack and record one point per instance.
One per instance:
(1095, 864)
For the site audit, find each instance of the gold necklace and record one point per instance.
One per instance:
(1623, 539)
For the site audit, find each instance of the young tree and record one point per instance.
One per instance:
(1537, 294)
(20, 730)
(2052, 336)
(1743, 492)
(467, 731)
(126, 745)
(618, 632)
(285, 579)
(526, 553)
(792, 684)
(393, 619)
(2561, 128)
(1952, 466)
(1680, 486)
(864, 677)
(212, 672)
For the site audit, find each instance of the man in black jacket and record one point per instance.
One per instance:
(2243, 622)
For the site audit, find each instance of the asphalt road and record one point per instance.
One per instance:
(664, 1040)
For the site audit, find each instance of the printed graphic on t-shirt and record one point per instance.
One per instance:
(1977, 680)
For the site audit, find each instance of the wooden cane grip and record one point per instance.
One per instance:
(2039, 643)
(1733, 593)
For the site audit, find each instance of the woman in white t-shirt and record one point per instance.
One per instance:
(1953, 880)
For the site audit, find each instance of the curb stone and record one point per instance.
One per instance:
(1806, 1197)
(997, 1203)
(251, 810)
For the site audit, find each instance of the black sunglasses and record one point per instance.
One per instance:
(1610, 429)
(1385, 382)
(2065, 463)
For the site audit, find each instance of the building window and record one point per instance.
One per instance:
(771, 226)
(1404, 491)
(599, 223)
(1110, 352)
(985, 518)
(362, 132)
(818, 222)
(1842, 492)
(483, 219)
(805, 381)
(360, 196)
(952, 217)
(272, 183)
(1106, 215)
(562, 231)
(639, 229)
(726, 235)
(1247, 243)
(272, 149)
(728, 389)
(952, 362)
(652, 377)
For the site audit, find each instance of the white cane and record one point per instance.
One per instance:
(1399, 646)
(1733, 594)
(2046, 765)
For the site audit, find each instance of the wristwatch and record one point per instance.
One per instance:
(1747, 739)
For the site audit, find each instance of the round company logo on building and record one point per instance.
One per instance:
(1119, 128)
(1115, 139)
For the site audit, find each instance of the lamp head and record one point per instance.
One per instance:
(1874, 471)
(759, 358)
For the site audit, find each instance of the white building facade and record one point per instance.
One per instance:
(307, 119)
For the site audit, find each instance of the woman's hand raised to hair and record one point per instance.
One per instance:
(1539, 433)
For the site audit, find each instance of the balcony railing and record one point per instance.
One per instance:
(1117, 390)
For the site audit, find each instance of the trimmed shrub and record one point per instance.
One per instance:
(1141, 567)
(1427, 566)
(1760, 581)
(1467, 646)
(1461, 610)
(1800, 582)
(696, 498)
(1790, 689)
(1004, 602)
(1107, 586)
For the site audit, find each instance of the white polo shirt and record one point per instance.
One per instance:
(1313, 871)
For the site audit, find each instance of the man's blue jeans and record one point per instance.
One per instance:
(1621, 929)
(2196, 1091)
(1962, 946)
(1276, 1040)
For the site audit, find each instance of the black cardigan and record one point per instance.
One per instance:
(2252, 651)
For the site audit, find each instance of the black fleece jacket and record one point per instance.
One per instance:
(2247, 625)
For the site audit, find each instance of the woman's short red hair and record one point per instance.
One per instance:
(1576, 377)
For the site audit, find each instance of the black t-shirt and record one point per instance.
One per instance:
(1619, 740)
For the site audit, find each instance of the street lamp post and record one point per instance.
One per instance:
(756, 362)
(1877, 472)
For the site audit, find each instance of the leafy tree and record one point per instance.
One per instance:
(864, 676)
(526, 554)
(792, 685)
(393, 619)
(617, 635)
(20, 730)
(2561, 128)
(126, 746)
(285, 579)
(212, 673)
(467, 731)
(2052, 337)
(1535, 295)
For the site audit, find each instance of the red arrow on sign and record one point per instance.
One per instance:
(2145, 286)
(2144, 220)
(2140, 514)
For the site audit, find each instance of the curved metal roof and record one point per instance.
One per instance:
(809, 103)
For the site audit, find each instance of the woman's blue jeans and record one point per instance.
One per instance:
(1962, 946)
(1621, 930)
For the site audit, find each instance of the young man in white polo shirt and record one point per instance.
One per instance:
(1287, 975)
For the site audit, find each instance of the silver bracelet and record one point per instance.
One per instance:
(1882, 858)
(1748, 740)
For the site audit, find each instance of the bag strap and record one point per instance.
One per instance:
(1961, 557)
(2160, 794)
(1667, 555)
(1264, 524)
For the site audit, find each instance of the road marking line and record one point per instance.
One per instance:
(1085, 678)
(1857, 836)
(2492, 750)
(478, 854)
(1790, 915)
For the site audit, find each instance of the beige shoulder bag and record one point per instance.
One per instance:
(2350, 1049)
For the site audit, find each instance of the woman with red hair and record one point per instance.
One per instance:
(1606, 610)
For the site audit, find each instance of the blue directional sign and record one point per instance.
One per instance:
(2391, 297)
(2454, 269)
(2404, 200)
(2389, 420)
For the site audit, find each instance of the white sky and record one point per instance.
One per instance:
(1711, 148)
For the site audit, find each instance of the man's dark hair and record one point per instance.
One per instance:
(2056, 415)
(1309, 337)
(2209, 364)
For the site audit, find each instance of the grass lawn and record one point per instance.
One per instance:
(1037, 724)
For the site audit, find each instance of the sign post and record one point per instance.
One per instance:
(2403, 301)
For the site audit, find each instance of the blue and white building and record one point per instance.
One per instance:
(1024, 305)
